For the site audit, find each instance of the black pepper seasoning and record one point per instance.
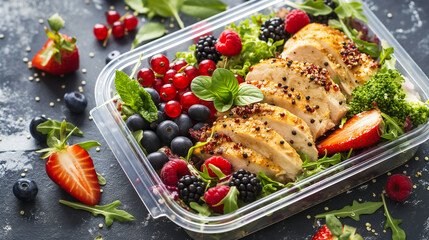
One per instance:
(293, 101)
(265, 122)
(299, 97)
(341, 102)
(257, 128)
(293, 132)
(280, 85)
(292, 89)
(224, 125)
(309, 144)
(307, 97)
(312, 120)
(245, 155)
(282, 142)
(284, 78)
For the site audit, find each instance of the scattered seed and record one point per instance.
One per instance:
(389, 15)
(63, 86)
(165, 31)
(21, 212)
(35, 75)
(61, 75)
(426, 158)
(25, 60)
(368, 229)
(1, 35)
(37, 79)
(22, 174)
(37, 99)
(326, 208)
(373, 230)
(40, 20)
(90, 118)
(376, 234)
(308, 217)
(83, 70)
(374, 180)
(28, 136)
(43, 115)
(360, 199)
(101, 190)
(368, 224)
(389, 173)
(20, 119)
(383, 192)
(404, 172)
(112, 7)
(384, 231)
(58, 100)
(406, 165)
(30, 65)
(100, 225)
(127, 8)
(91, 54)
(87, 2)
(51, 104)
(83, 83)
(418, 174)
(30, 78)
(414, 186)
(80, 89)
(373, 194)
(26, 170)
(43, 74)
(416, 158)
(97, 149)
(28, 49)
(171, 25)
(427, 188)
(1, 139)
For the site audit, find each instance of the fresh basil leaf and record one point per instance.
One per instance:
(137, 5)
(312, 7)
(56, 22)
(229, 201)
(224, 82)
(203, 210)
(393, 224)
(354, 211)
(203, 8)
(109, 211)
(89, 144)
(101, 180)
(248, 94)
(350, 9)
(334, 225)
(222, 105)
(167, 8)
(147, 32)
(201, 87)
(52, 126)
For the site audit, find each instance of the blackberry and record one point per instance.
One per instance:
(247, 184)
(323, 19)
(205, 49)
(191, 189)
(273, 28)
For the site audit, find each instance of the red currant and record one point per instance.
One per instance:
(188, 99)
(239, 78)
(112, 16)
(158, 83)
(173, 108)
(130, 22)
(167, 92)
(146, 77)
(100, 31)
(210, 105)
(179, 65)
(206, 67)
(160, 63)
(118, 29)
(191, 72)
(180, 93)
(168, 76)
(180, 81)
(171, 65)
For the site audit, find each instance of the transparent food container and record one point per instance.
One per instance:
(272, 208)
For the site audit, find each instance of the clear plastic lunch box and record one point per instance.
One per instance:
(274, 207)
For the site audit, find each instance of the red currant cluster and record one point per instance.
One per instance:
(117, 25)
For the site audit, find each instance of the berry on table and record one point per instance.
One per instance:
(130, 22)
(167, 92)
(247, 184)
(229, 43)
(184, 123)
(25, 189)
(273, 28)
(157, 160)
(136, 122)
(180, 145)
(154, 95)
(188, 99)
(159, 64)
(206, 67)
(40, 137)
(180, 81)
(191, 72)
(191, 189)
(205, 49)
(75, 101)
(173, 108)
(112, 16)
(398, 187)
(295, 20)
(219, 162)
(172, 171)
(146, 77)
(199, 112)
(168, 76)
(118, 29)
(150, 141)
(214, 195)
(100, 31)
(167, 131)
(112, 55)
(239, 78)
(179, 64)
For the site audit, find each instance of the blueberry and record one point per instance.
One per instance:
(161, 117)
(199, 112)
(185, 123)
(112, 55)
(75, 101)
(136, 122)
(161, 107)
(157, 160)
(33, 129)
(25, 189)
(181, 145)
(198, 126)
(150, 141)
(154, 95)
(166, 131)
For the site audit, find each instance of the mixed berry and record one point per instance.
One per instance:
(117, 25)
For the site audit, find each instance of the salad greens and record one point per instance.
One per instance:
(393, 224)
(312, 7)
(354, 211)
(188, 56)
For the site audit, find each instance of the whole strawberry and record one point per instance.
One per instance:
(59, 55)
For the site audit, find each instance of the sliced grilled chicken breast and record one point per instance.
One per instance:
(329, 47)
(292, 128)
(311, 80)
(235, 152)
(315, 114)
(256, 135)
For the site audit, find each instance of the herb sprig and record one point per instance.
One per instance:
(393, 224)
(354, 211)
(316, 8)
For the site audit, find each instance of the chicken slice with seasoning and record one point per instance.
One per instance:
(257, 136)
(292, 128)
(315, 114)
(332, 49)
(312, 81)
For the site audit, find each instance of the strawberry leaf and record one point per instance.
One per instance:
(393, 224)
(109, 211)
(101, 180)
(229, 201)
(89, 144)
(56, 22)
(203, 210)
(354, 211)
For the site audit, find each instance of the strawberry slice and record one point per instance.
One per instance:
(59, 55)
(363, 130)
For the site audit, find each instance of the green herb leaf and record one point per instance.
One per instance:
(53, 127)
(229, 201)
(138, 136)
(167, 8)
(197, 145)
(222, 105)
(354, 211)
(136, 67)
(248, 94)
(350, 9)
(393, 224)
(312, 7)
(99, 237)
(224, 82)
(137, 5)
(149, 111)
(109, 211)
(325, 161)
(201, 87)
(101, 180)
(268, 185)
(203, 8)
(89, 144)
(391, 128)
(334, 225)
(188, 56)
(203, 210)
(147, 32)
(217, 171)
(367, 47)
(56, 22)
(386, 59)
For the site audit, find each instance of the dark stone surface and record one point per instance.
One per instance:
(47, 219)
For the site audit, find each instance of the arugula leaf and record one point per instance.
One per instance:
(386, 59)
(229, 201)
(197, 145)
(109, 211)
(203, 8)
(137, 5)
(101, 180)
(147, 32)
(334, 225)
(391, 128)
(367, 47)
(203, 210)
(53, 127)
(268, 185)
(89, 144)
(350, 9)
(167, 8)
(138, 136)
(216, 171)
(393, 224)
(325, 161)
(312, 7)
(354, 211)
(248, 94)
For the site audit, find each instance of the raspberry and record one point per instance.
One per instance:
(191, 189)
(229, 43)
(247, 184)
(214, 195)
(172, 171)
(398, 187)
(296, 20)
(219, 162)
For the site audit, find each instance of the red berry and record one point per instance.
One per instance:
(323, 234)
(295, 20)
(167, 92)
(229, 43)
(179, 65)
(210, 105)
(219, 162)
(118, 29)
(112, 16)
(168, 76)
(188, 99)
(191, 72)
(172, 171)
(180, 93)
(158, 83)
(180, 81)
(160, 64)
(398, 187)
(214, 195)
(173, 108)
(239, 78)
(130, 22)
(206, 67)
(146, 77)
(100, 31)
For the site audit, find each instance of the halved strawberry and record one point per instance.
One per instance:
(363, 130)
(323, 234)
(59, 55)
(334, 230)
